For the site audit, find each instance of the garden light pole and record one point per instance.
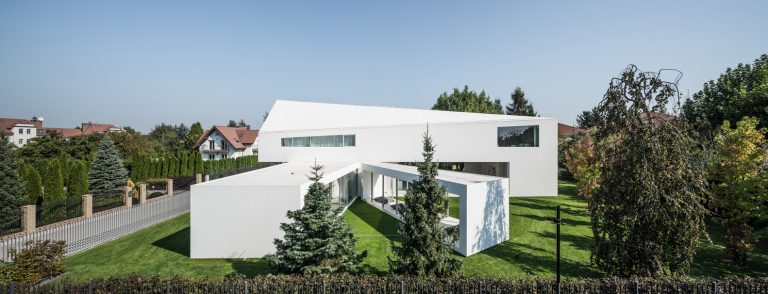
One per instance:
(557, 222)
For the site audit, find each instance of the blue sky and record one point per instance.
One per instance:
(139, 63)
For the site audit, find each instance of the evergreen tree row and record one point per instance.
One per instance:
(146, 168)
(224, 165)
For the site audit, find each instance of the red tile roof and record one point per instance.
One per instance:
(6, 124)
(65, 132)
(564, 130)
(237, 137)
(92, 128)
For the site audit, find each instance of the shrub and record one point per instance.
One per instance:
(39, 260)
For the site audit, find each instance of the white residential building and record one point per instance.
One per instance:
(367, 153)
(221, 142)
(20, 131)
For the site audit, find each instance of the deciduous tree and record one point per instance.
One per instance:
(468, 101)
(582, 161)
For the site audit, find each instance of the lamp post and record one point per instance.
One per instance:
(557, 222)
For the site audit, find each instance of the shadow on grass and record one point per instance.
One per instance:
(177, 242)
(536, 265)
(376, 219)
(580, 242)
(250, 267)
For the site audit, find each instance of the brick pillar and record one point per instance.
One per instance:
(87, 205)
(142, 193)
(198, 178)
(169, 187)
(127, 199)
(28, 221)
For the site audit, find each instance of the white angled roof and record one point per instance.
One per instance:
(295, 115)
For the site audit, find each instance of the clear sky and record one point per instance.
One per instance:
(139, 63)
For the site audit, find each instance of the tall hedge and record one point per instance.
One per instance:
(78, 180)
(198, 163)
(54, 182)
(184, 162)
(33, 183)
(173, 167)
(164, 172)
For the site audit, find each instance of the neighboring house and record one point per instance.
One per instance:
(368, 153)
(565, 131)
(85, 129)
(221, 142)
(20, 131)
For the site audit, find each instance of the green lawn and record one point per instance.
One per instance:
(164, 249)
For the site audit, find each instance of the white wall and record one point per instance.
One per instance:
(485, 216)
(23, 136)
(532, 171)
(231, 151)
(238, 221)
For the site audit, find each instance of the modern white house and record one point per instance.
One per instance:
(368, 154)
(221, 142)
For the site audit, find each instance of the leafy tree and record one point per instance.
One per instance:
(318, 241)
(588, 119)
(423, 251)
(172, 138)
(11, 190)
(738, 92)
(467, 101)
(520, 105)
(78, 180)
(582, 161)
(739, 186)
(107, 175)
(195, 132)
(129, 143)
(33, 183)
(647, 213)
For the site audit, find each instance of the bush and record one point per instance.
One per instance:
(39, 260)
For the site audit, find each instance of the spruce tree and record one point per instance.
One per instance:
(423, 251)
(53, 197)
(318, 241)
(78, 180)
(11, 190)
(520, 105)
(107, 175)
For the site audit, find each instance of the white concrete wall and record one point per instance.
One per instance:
(238, 221)
(485, 216)
(532, 170)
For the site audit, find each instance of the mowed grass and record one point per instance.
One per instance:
(164, 249)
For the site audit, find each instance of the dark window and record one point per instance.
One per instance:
(211, 146)
(28, 131)
(21, 131)
(211, 156)
(518, 136)
(319, 141)
(21, 141)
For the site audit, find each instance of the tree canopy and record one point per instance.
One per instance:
(11, 190)
(468, 101)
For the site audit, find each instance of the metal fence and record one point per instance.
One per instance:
(86, 233)
(239, 170)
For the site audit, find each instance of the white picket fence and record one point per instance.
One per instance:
(87, 233)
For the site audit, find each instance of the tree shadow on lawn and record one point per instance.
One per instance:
(567, 221)
(251, 267)
(542, 205)
(177, 242)
(376, 219)
(580, 242)
(536, 265)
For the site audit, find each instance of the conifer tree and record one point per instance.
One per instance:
(173, 166)
(318, 241)
(145, 168)
(191, 164)
(198, 163)
(78, 180)
(33, 183)
(11, 190)
(423, 251)
(136, 163)
(183, 164)
(53, 196)
(64, 162)
(164, 173)
(107, 175)
(520, 105)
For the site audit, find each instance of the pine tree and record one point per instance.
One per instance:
(520, 105)
(78, 180)
(423, 251)
(33, 183)
(11, 190)
(318, 241)
(107, 175)
(53, 197)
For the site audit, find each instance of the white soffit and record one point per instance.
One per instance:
(286, 174)
(295, 115)
(443, 175)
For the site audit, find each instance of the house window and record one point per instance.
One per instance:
(28, 130)
(319, 141)
(223, 145)
(21, 131)
(21, 141)
(518, 136)
(211, 146)
(211, 156)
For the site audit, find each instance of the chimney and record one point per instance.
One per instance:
(247, 127)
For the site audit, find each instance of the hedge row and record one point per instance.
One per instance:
(218, 166)
(375, 284)
(145, 168)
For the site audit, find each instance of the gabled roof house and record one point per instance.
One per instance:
(227, 142)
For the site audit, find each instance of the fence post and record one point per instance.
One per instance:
(207, 178)
(127, 199)
(142, 193)
(169, 187)
(87, 205)
(198, 178)
(28, 221)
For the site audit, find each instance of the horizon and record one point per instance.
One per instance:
(143, 63)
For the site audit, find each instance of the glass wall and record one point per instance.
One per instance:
(518, 136)
(319, 141)
(343, 190)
